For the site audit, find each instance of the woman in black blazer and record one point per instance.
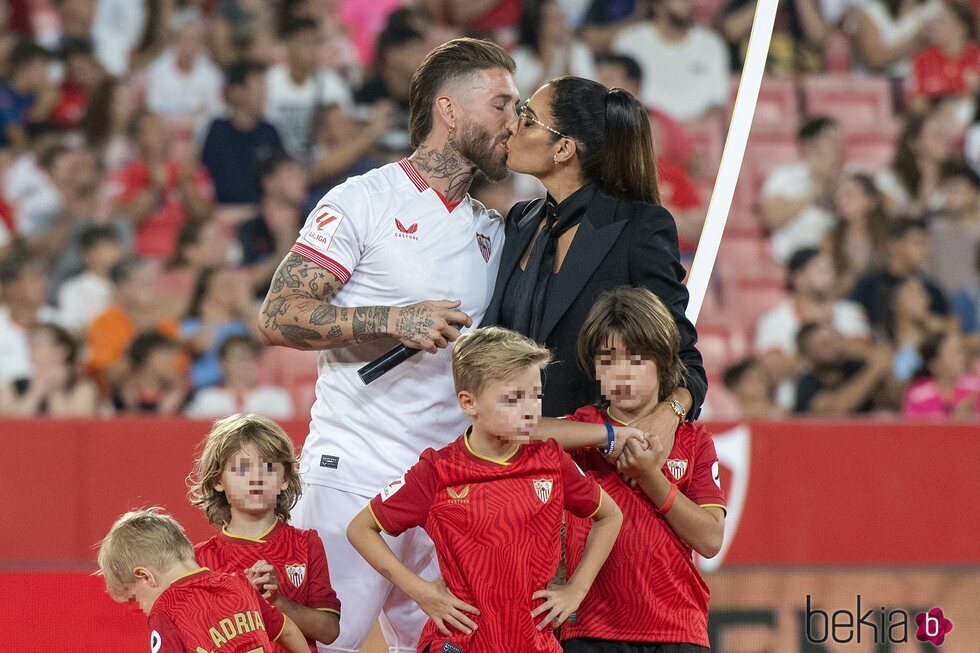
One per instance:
(600, 227)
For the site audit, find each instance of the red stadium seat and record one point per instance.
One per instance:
(708, 136)
(869, 151)
(856, 102)
(749, 297)
(778, 107)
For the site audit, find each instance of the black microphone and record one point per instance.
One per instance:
(385, 363)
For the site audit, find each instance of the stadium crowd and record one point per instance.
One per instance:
(157, 158)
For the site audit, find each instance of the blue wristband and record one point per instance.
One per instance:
(612, 439)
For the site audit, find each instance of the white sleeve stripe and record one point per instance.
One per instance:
(323, 261)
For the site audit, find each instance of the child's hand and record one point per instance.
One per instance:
(560, 601)
(444, 609)
(623, 435)
(264, 579)
(641, 459)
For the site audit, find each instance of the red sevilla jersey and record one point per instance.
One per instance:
(496, 527)
(297, 554)
(649, 589)
(208, 611)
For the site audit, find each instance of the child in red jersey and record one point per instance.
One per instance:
(492, 502)
(246, 480)
(146, 558)
(649, 596)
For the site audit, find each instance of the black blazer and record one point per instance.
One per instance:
(618, 243)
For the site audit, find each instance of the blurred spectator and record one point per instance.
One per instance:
(753, 390)
(89, 293)
(911, 184)
(234, 146)
(8, 39)
(676, 53)
(107, 120)
(75, 20)
(157, 192)
(153, 385)
(797, 39)
(134, 310)
(356, 23)
(837, 385)
(547, 48)
(41, 188)
(55, 389)
(83, 76)
(477, 16)
(950, 66)
(242, 29)
(943, 389)
(966, 303)
(119, 27)
(266, 238)
(297, 88)
(889, 32)
(343, 147)
(497, 195)
(218, 309)
(240, 390)
(23, 290)
(910, 324)
(857, 240)
(796, 197)
(182, 83)
(906, 255)
(955, 231)
(399, 53)
(200, 244)
(27, 97)
(152, 36)
(603, 20)
(670, 142)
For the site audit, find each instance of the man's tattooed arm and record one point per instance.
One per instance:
(447, 164)
(298, 313)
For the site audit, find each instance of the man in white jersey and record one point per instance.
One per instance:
(400, 254)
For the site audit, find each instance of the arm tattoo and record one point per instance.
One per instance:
(370, 323)
(447, 164)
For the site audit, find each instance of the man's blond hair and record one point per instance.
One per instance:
(227, 437)
(142, 538)
(489, 354)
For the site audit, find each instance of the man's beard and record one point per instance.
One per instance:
(477, 145)
(679, 22)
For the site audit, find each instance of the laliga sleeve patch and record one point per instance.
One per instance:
(715, 474)
(393, 487)
(321, 227)
(156, 642)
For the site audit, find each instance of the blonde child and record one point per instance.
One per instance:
(492, 502)
(147, 559)
(246, 480)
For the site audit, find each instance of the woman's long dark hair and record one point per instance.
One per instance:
(877, 222)
(529, 29)
(201, 289)
(97, 121)
(611, 130)
(906, 165)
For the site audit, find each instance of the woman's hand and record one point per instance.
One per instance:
(660, 425)
(443, 608)
(560, 601)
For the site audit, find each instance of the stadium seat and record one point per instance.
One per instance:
(749, 297)
(708, 136)
(856, 102)
(869, 151)
(778, 107)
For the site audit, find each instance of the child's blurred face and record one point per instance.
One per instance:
(240, 365)
(251, 483)
(629, 381)
(510, 409)
(143, 591)
(46, 351)
(103, 255)
(950, 361)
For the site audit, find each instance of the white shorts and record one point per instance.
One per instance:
(365, 596)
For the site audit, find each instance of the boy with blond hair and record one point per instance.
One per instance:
(147, 559)
(492, 502)
(247, 480)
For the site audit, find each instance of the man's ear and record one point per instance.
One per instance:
(467, 402)
(447, 108)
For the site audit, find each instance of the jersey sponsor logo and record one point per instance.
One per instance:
(716, 474)
(542, 488)
(677, 468)
(296, 574)
(393, 487)
(406, 232)
(483, 242)
(156, 642)
(320, 231)
(459, 496)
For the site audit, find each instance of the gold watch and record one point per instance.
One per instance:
(677, 407)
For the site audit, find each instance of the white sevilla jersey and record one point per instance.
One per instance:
(394, 241)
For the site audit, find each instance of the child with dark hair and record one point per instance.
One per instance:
(753, 389)
(84, 296)
(154, 385)
(943, 389)
(218, 309)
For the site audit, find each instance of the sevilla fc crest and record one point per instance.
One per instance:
(677, 468)
(542, 488)
(484, 244)
(296, 574)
